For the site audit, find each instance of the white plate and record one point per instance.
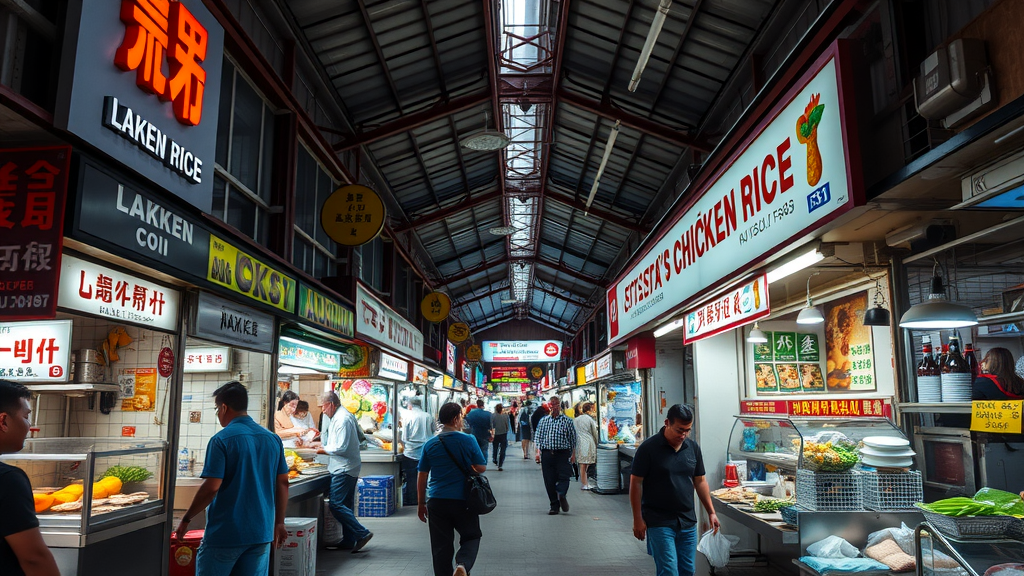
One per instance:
(888, 453)
(884, 442)
(888, 462)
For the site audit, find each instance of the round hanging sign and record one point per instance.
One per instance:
(536, 372)
(458, 332)
(165, 362)
(474, 353)
(353, 215)
(436, 306)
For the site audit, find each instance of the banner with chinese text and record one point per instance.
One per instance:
(94, 289)
(35, 351)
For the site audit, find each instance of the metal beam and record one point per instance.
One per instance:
(437, 216)
(649, 127)
(472, 271)
(569, 299)
(483, 247)
(616, 219)
(532, 316)
(563, 269)
(414, 120)
(489, 293)
(493, 322)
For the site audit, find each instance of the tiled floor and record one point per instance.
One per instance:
(594, 538)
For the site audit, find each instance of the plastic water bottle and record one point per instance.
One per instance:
(183, 462)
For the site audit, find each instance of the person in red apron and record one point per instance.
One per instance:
(998, 380)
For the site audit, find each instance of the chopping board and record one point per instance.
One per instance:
(768, 516)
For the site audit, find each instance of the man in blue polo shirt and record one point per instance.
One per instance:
(667, 468)
(246, 489)
(479, 421)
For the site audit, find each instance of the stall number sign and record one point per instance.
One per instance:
(208, 359)
(393, 368)
(94, 289)
(35, 351)
(997, 416)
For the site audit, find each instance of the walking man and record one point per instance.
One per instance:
(417, 428)
(245, 487)
(22, 550)
(525, 429)
(556, 440)
(667, 469)
(479, 421)
(535, 417)
(342, 445)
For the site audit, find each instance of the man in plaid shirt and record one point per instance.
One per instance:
(556, 439)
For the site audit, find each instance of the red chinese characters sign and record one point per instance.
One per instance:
(105, 292)
(33, 187)
(35, 351)
(764, 407)
(164, 30)
(846, 408)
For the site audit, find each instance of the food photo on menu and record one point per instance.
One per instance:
(848, 345)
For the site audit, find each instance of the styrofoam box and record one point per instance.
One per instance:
(298, 555)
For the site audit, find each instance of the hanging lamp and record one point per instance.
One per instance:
(937, 312)
(810, 314)
(878, 315)
(756, 336)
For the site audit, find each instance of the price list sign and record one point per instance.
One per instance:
(996, 416)
(33, 187)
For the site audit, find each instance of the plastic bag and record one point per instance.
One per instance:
(832, 547)
(716, 547)
(903, 536)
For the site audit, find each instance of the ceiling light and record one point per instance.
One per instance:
(756, 336)
(795, 265)
(503, 230)
(937, 312)
(486, 141)
(668, 328)
(604, 162)
(810, 314)
(878, 315)
(509, 300)
(652, 37)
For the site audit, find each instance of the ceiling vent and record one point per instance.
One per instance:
(955, 83)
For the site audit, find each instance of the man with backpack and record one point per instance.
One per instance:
(525, 428)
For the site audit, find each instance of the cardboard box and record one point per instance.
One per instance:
(298, 555)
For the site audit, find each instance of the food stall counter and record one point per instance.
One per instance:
(770, 526)
(377, 456)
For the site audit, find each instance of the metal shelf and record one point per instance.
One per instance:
(941, 408)
(1006, 318)
(73, 388)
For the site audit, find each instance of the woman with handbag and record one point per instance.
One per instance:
(447, 467)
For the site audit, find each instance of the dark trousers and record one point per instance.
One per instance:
(409, 474)
(483, 442)
(500, 444)
(343, 498)
(557, 470)
(444, 518)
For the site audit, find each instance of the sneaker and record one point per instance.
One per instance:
(339, 546)
(362, 542)
(460, 570)
(553, 512)
(564, 503)
(499, 468)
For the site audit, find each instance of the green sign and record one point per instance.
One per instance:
(784, 346)
(807, 347)
(296, 353)
(763, 351)
(326, 313)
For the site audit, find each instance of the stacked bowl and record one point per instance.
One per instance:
(887, 452)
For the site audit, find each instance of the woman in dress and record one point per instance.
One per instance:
(283, 426)
(586, 441)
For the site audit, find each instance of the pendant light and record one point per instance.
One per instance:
(877, 315)
(810, 314)
(756, 336)
(937, 312)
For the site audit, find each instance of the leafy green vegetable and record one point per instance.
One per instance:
(1006, 502)
(814, 118)
(770, 505)
(127, 474)
(961, 506)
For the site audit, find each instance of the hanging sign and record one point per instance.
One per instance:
(603, 366)
(35, 351)
(239, 272)
(220, 320)
(740, 306)
(509, 374)
(591, 371)
(536, 373)
(378, 322)
(436, 306)
(474, 353)
(393, 367)
(165, 362)
(458, 332)
(420, 375)
(94, 289)
(141, 81)
(353, 215)
(208, 359)
(791, 178)
(522, 351)
(449, 357)
(296, 353)
(355, 361)
(33, 188)
(581, 375)
(996, 416)
(324, 312)
(640, 353)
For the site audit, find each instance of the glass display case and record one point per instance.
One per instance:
(620, 407)
(942, 555)
(372, 402)
(779, 440)
(85, 485)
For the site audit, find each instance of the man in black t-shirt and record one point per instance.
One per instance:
(22, 550)
(667, 468)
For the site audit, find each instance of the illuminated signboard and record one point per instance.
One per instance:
(509, 374)
(449, 363)
(35, 351)
(522, 351)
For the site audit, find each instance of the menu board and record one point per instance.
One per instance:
(789, 363)
(849, 354)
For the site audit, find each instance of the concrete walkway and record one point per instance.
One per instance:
(594, 538)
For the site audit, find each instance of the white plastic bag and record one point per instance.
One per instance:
(832, 547)
(903, 536)
(716, 547)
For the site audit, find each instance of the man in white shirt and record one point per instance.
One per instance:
(342, 445)
(417, 428)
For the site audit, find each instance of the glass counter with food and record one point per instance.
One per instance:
(372, 403)
(620, 409)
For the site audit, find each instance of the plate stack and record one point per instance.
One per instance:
(929, 389)
(887, 452)
(956, 387)
(608, 468)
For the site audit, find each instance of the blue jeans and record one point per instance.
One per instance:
(343, 498)
(674, 549)
(233, 560)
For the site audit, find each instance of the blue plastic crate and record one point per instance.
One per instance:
(377, 482)
(377, 496)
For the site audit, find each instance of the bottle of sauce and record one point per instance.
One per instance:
(956, 376)
(972, 361)
(929, 384)
(941, 360)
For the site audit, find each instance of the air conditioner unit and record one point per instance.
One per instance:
(954, 83)
(999, 185)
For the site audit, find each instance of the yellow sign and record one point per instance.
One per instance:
(240, 272)
(458, 332)
(353, 215)
(138, 389)
(581, 375)
(474, 353)
(996, 416)
(436, 306)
